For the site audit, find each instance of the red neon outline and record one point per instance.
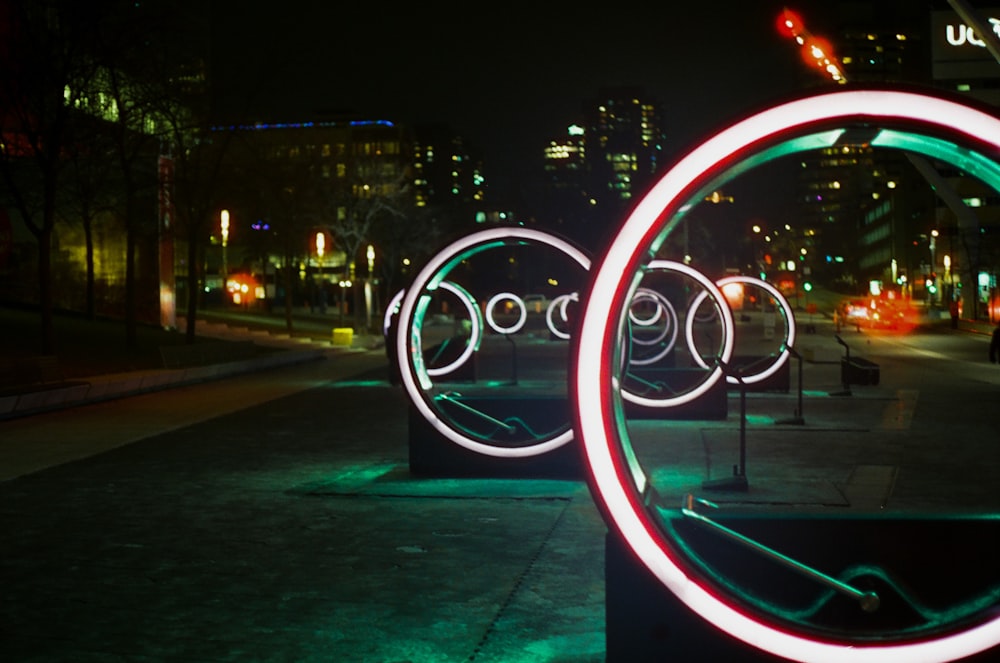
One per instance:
(596, 410)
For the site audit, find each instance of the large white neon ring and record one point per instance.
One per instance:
(408, 351)
(498, 328)
(728, 328)
(788, 342)
(593, 388)
(470, 306)
(391, 310)
(559, 304)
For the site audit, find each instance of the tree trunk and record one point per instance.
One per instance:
(192, 288)
(130, 289)
(45, 303)
(88, 232)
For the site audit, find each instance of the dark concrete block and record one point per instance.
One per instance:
(432, 454)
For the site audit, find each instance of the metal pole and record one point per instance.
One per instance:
(797, 419)
(867, 600)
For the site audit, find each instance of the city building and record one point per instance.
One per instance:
(967, 256)
(891, 220)
(624, 139)
(603, 165)
(315, 195)
(447, 171)
(864, 207)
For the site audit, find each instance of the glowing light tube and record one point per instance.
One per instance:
(522, 313)
(415, 377)
(786, 311)
(728, 327)
(592, 387)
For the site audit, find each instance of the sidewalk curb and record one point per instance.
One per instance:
(108, 387)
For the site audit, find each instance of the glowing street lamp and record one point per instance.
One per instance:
(370, 254)
(224, 224)
(320, 250)
(816, 51)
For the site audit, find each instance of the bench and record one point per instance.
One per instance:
(855, 370)
(202, 354)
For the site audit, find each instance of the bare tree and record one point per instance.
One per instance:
(376, 191)
(88, 192)
(283, 191)
(411, 238)
(147, 81)
(45, 70)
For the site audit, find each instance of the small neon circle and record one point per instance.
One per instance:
(518, 302)
(559, 304)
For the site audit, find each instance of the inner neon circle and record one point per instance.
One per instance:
(786, 311)
(728, 326)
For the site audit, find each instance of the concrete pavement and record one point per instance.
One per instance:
(269, 515)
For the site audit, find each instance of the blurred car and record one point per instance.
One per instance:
(873, 313)
(886, 314)
(855, 313)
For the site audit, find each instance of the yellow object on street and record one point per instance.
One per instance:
(343, 336)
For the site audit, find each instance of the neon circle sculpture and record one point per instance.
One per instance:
(522, 316)
(559, 304)
(709, 289)
(920, 122)
(475, 333)
(786, 311)
(416, 378)
(391, 311)
(648, 294)
(663, 308)
(475, 317)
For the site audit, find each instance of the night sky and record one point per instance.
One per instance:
(508, 76)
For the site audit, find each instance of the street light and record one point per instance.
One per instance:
(947, 276)
(370, 254)
(224, 224)
(320, 250)
(320, 289)
(933, 247)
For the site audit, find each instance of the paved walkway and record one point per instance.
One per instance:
(269, 515)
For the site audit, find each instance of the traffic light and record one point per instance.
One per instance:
(807, 286)
(930, 282)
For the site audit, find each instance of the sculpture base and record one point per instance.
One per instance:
(433, 455)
